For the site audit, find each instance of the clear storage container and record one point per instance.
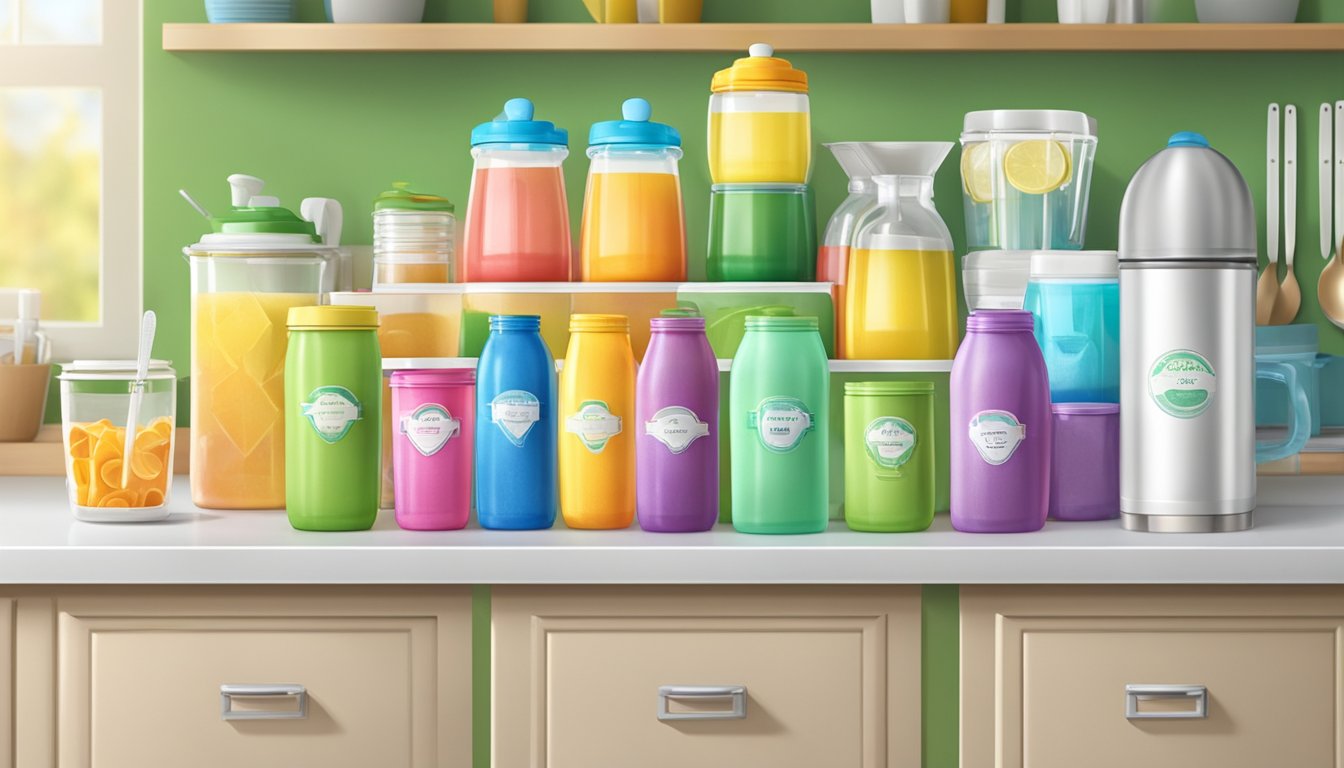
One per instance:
(995, 279)
(1026, 174)
(95, 402)
(413, 236)
(760, 122)
(1074, 297)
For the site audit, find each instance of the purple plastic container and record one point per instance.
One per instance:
(1001, 427)
(433, 412)
(1085, 475)
(677, 438)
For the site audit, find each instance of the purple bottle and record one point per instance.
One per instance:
(677, 429)
(1002, 427)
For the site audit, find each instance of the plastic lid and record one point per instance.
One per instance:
(634, 127)
(333, 318)
(758, 189)
(401, 198)
(997, 260)
(1085, 409)
(516, 126)
(1188, 139)
(993, 320)
(427, 363)
(781, 323)
(115, 369)
(1297, 339)
(683, 323)
(1085, 265)
(435, 377)
(1030, 121)
(760, 71)
(878, 388)
(599, 324)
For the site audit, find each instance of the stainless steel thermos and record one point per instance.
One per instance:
(1187, 343)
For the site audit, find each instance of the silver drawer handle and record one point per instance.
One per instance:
(738, 694)
(1134, 694)
(297, 692)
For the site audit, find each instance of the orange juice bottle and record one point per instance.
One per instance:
(597, 424)
(633, 226)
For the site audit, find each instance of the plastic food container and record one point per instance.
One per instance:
(760, 122)
(1026, 174)
(95, 401)
(517, 227)
(762, 232)
(1085, 472)
(1075, 299)
(413, 235)
(995, 279)
(1296, 345)
(889, 456)
(633, 226)
(434, 415)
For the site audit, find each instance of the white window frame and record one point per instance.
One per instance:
(115, 68)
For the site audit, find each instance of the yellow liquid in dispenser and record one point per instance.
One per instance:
(760, 147)
(901, 305)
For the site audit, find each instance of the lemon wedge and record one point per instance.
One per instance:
(1038, 166)
(975, 172)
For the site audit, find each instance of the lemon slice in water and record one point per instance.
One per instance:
(1038, 166)
(975, 172)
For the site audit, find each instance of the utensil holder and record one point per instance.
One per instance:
(23, 390)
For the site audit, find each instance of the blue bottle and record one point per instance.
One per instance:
(516, 427)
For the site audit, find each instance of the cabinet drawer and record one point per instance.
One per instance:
(594, 678)
(1242, 679)
(385, 681)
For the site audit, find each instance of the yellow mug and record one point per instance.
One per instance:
(612, 11)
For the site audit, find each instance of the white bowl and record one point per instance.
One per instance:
(375, 11)
(1246, 11)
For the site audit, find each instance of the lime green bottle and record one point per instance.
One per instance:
(779, 396)
(889, 456)
(333, 418)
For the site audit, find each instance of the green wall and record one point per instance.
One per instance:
(347, 125)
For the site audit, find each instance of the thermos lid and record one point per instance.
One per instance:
(760, 71)
(1078, 265)
(332, 318)
(1188, 203)
(516, 126)
(634, 127)
(883, 388)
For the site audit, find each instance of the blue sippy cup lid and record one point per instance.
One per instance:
(634, 128)
(516, 126)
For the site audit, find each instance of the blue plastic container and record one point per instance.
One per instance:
(516, 427)
(1296, 345)
(1074, 297)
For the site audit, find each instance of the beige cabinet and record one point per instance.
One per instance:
(796, 677)
(353, 677)
(1122, 677)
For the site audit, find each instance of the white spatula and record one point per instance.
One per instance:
(148, 324)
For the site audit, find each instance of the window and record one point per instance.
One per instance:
(70, 167)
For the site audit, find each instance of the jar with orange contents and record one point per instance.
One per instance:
(95, 402)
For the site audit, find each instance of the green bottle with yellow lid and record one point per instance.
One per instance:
(333, 418)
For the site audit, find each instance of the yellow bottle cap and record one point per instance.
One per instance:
(599, 323)
(760, 71)
(333, 318)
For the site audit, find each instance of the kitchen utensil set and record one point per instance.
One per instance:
(1289, 298)
(1267, 288)
(1330, 286)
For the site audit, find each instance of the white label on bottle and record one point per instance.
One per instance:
(676, 427)
(515, 411)
(332, 411)
(781, 423)
(594, 424)
(1182, 383)
(890, 441)
(996, 435)
(429, 428)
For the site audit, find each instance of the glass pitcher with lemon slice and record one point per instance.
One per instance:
(1025, 178)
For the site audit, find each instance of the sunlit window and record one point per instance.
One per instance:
(70, 166)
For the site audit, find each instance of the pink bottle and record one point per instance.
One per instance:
(432, 420)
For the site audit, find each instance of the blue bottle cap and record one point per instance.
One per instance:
(635, 128)
(1188, 139)
(516, 126)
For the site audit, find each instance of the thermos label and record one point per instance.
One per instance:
(332, 411)
(781, 423)
(429, 428)
(676, 427)
(890, 441)
(515, 411)
(594, 424)
(1182, 383)
(996, 435)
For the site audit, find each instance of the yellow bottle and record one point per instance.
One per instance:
(760, 122)
(597, 422)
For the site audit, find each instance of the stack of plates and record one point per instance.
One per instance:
(243, 11)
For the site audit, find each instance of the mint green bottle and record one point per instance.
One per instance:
(779, 396)
(333, 418)
(889, 455)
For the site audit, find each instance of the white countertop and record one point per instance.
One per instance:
(42, 543)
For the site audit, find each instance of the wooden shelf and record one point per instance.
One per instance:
(736, 37)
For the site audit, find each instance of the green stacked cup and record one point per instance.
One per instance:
(889, 456)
